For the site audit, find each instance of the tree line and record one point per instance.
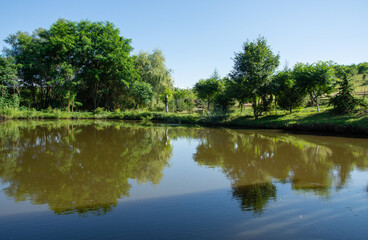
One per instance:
(88, 65)
(84, 65)
(254, 79)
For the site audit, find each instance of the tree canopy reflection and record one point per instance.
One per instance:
(85, 167)
(254, 160)
(79, 167)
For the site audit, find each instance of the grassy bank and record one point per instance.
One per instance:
(305, 120)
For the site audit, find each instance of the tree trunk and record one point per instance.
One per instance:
(47, 97)
(18, 92)
(241, 109)
(275, 106)
(208, 107)
(166, 103)
(315, 99)
(255, 110)
(95, 96)
(68, 101)
(317, 104)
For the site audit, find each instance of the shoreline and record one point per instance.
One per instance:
(322, 123)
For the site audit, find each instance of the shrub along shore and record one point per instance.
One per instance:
(308, 119)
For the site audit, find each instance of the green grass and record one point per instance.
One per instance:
(306, 119)
(359, 84)
(309, 120)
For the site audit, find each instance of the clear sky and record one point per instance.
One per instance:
(197, 36)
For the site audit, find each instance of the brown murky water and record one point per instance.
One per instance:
(113, 180)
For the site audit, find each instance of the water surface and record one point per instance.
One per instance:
(114, 180)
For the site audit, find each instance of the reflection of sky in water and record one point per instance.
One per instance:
(183, 176)
(9, 207)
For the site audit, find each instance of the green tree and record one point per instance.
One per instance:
(363, 68)
(141, 93)
(37, 70)
(316, 79)
(88, 60)
(63, 41)
(8, 75)
(225, 98)
(107, 67)
(183, 99)
(207, 89)
(345, 101)
(152, 70)
(252, 71)
(9, 83)
(288, 94)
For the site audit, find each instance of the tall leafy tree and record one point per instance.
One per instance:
(38, 71)
(316, 79)
(63, 39)
(225, 97)
(153, 70)
(87, 61)
(288, 94)
(207, 89)
(106, 64)
(252, 71)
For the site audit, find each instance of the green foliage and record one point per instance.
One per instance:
(8, 83)
(86, 62)
(252, 71)
(207, 89)
(87, 65)
(225, 98)
(8, 72)
(183, 99)
(315, 79)
(8, 100)
(141, 92)
(341, 70)
(152, 70)
(345, 101)
(363, 68)
(288, 94)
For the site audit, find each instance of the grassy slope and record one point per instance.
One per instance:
(323, 122)
(360, 85)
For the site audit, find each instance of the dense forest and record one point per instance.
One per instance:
(84, 66)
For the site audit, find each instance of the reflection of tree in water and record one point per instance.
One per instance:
(81, 168)
(252, 159)
(78, 167)
(254, 197)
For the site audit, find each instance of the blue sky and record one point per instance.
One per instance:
(198, 36)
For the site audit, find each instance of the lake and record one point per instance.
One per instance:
(86, 179)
